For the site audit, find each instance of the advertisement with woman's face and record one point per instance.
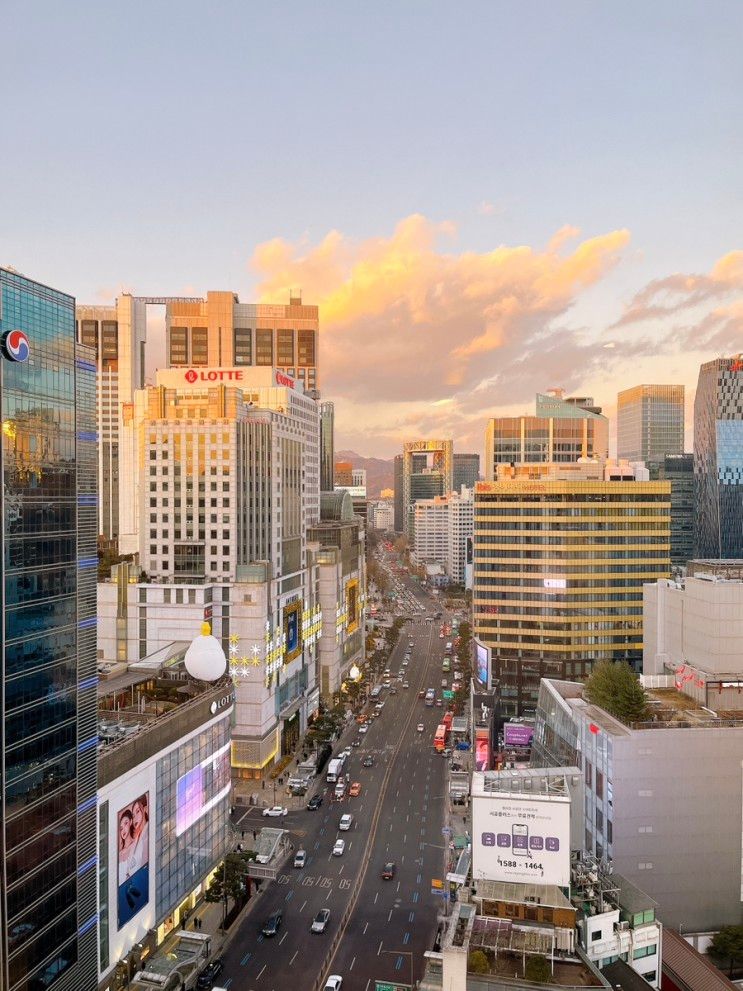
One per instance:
(133, 860)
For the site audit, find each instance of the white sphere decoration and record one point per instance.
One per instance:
(354, 674)
(205, 658)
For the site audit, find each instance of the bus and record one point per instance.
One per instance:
(335, 769)
(446, 666)
(430, 697)
(439, 741)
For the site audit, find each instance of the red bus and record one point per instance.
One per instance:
(439, 741)
(447, 721)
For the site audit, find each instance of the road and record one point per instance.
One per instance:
(398, 817)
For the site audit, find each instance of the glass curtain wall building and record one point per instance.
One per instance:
(678, 469)
(47, 824)
(718, 459)
(650, 422)
(327, 447)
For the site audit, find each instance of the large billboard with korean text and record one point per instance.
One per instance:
(521, 839)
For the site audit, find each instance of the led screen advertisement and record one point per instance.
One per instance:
(199, 790)
(482, 749)
(292, 631)
(521, 840)
(483, 663)
(517, 735)
(133, 860)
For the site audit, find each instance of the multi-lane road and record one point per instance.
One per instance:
(397, 817)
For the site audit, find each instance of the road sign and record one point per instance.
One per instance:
(386, 986)
(448, 695)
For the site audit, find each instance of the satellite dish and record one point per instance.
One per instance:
(205, 658)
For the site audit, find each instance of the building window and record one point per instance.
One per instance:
(178, 346)
(305, 347)
(199, 346)
(284, 347)
(589, 774)
(263, 347)
(596, 935)
(645, 951)
(599, 784)
(243, 346)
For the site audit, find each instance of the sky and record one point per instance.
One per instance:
(486, 200)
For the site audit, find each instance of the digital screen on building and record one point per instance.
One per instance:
(292, 631)
(482, 749)
(521, 840)
(198, 790)
(483, 664)
(517, 735)
(352, 606)
(133, 858)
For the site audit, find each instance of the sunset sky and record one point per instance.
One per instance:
(485, 199)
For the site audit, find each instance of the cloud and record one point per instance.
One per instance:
(402, 319)
(662, 298)
(486, 208)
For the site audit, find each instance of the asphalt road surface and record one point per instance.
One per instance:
(398, 817)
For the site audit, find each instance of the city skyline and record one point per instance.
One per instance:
(533, 217)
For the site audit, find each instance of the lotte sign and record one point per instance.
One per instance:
(213, 375)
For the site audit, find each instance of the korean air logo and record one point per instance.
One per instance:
(15, 346)
(191, 375)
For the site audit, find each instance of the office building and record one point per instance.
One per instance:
(398, 493)
(561, 431)
(442, 532)
(466, 471)
(659, 795)
(221, 332)
(327, 446)
(338, 549)
(678, 469)
(348, 477)
(381, 515)
(427, 471)
(117, 334)
(694, 636)
(164, 755)
(228, 483)
(650, 422)
(561, 553)
(718, 459)
(48, 931)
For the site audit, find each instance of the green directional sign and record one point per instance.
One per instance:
(386, 986)
(448, 695)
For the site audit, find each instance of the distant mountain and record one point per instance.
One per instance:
(380, 474)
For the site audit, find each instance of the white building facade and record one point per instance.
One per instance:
(443, 529)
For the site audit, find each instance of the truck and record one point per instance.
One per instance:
(335, 769)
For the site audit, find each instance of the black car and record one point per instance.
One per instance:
(209, 974)
(273, 923)
(314, 803)
(368, 761)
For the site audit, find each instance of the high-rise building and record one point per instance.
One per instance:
(327, 446)
(398, 493)
(678, 469)
(381, 515)
(48, 885)
(718, 459)
(466, 471)
(442, 531)
(561, 555)
(427, 472)
(650, 422)
(228, 482)
(222, 332)
(561, 431)
(117, 334)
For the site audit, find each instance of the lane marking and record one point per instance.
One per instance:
(406, 939)
(375, 897)
(398, 963)
(245, 959)
(286, 933)
(352, 963)
(379, 951)
(260, 972)
(389, 917)
(293, 958)
(303, 905)
(366, 926)
(411, 917)
(416, 896)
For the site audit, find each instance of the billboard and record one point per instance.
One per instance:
(482, 749)
(133, 859)
(352, 605)
(521, 839)
(483, 663)
(517, 735)
(292, 631)
(200, 789)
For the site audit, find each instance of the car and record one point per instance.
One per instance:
(355, 790)
(405, 662)
(209, 975)
(346, 752)
(333, 983)
(356, 743)
(273, 923)
(361, 718)
(379, 706)
(444, 683)
(411, 643)
(346, 822)
(321, 920)
(420, 727)
(338, 847)
(406, 684)
(393, 691)
(368, 761)
(300, 858)
(421, 694)
(314, 803)
(388, 871)
(439, 703)
(441, 636)
(387, 672)
(276, 810)
(446, 752)
(364, 728)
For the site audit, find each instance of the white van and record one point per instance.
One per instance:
(340, 789)
(345, 823)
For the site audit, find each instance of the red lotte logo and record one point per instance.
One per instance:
(736, 365)
(285, 380)
(214, 375)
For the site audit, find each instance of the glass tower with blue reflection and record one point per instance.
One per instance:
(718, 460)
(48, 817)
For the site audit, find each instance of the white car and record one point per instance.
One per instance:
(406, 684)
(379, 706)
(421, 727)
(345, 823)
(333, 983)
(338, 848)
(363, 728)
(300, 858)
(276, 810)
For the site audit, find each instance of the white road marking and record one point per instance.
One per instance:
(260, 972)
(379, 951)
